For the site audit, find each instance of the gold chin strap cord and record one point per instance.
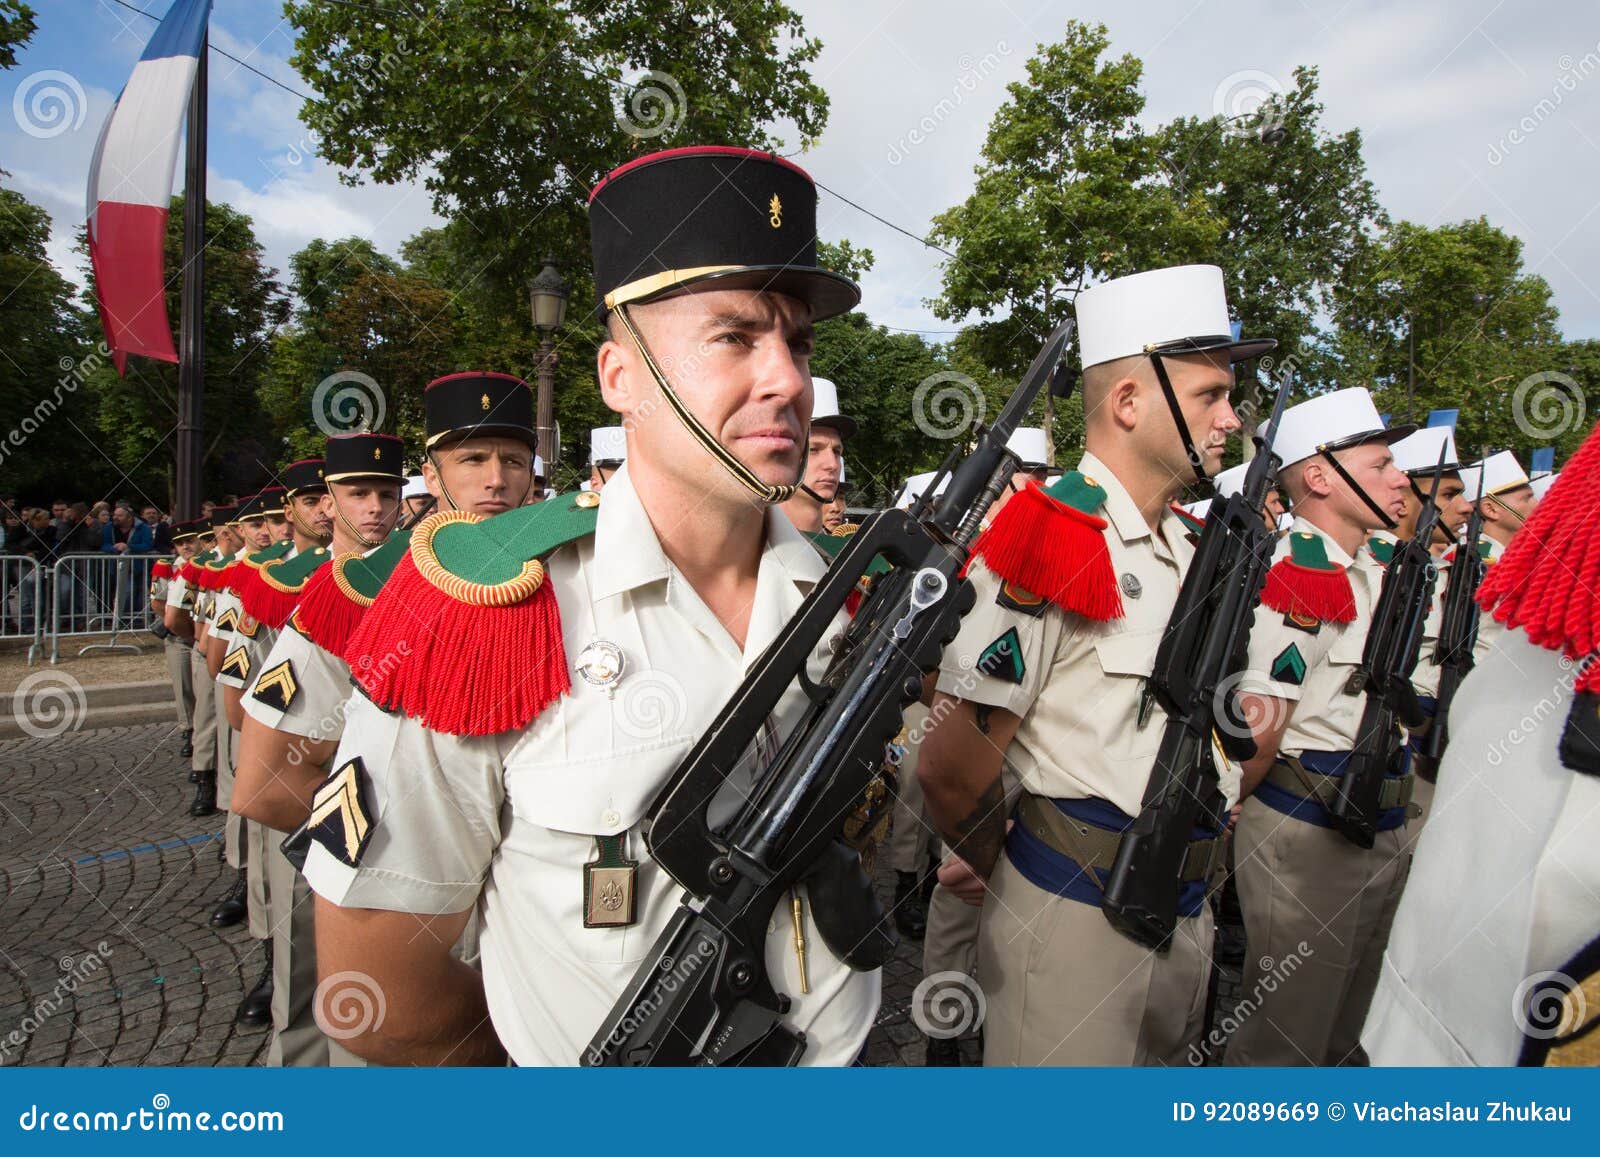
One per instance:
(741, 473)
(450, 498)
(350, 526)
(294, 521)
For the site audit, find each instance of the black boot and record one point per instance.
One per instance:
(233, 907)
(194, 776)
(943, 1053)
(255, 1010)
(186, 749)
(909, 915)
(205, 795)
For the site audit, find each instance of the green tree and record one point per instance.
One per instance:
(1447, 318)
(17, 26)
(45, 418)
(1295, 204)
(509, 113)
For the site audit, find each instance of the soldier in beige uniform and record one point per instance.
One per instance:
(507, 772)
(1495, 954)
(175, 647)
(183, 619)
(1316, 906)
(1048, 673)
(294, 714)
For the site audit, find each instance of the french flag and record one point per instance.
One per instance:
(130, 186)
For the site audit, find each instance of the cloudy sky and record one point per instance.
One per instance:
(1470, 107)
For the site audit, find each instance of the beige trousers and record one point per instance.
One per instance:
(297, 1042)
(179, 672)
(205, 713)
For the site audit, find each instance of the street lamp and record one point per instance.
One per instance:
(547, 296)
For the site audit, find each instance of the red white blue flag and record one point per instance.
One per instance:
(130, 186)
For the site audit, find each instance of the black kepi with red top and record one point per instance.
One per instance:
(477, 404)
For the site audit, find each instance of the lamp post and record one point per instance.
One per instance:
(547, 296)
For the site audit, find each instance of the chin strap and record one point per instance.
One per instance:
(1338, 467)
(296, 524)
(1196, 463)
(350, 528)
(449, 500)
(771, 495)
(1494, 499)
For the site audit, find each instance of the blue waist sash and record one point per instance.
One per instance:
(1310, 810)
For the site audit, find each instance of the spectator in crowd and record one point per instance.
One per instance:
(127, 536)
(160, 528)
(75, 599)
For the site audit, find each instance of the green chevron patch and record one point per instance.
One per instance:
(1002, 659)
(1289, 666)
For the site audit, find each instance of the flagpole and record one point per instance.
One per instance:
(191, 349)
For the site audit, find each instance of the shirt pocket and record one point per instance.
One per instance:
(600, 794)
(1128, 654)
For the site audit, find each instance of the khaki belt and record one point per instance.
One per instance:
(1095, 848)
(1288, 773)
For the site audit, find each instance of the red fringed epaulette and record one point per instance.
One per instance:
(1052, 544)
(1546, 581)
(326, 614)
(162, 570)
(465, 636)
(269, 593)
(1306, 583)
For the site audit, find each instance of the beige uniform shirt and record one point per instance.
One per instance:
(1079, 687)
(1312, 666)
(320, 686)
(507, 822)
(249, 642)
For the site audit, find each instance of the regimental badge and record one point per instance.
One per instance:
(377, 453)
(775, 211)
(342, 817)
(484, 402)
(1002, 659)
(585, 499)
(1131, 586)
(237, 664)
(608, 885)
(1300, 621)
(601, 664)
(1014, 598)
(246, 625)
(1289, 666)
(277, 687)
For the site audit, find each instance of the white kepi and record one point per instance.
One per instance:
(1028, 444)
(914, 487)
(1328, 422)
(825, 408)
(1419, 453)
(1181, 309)
(1496, 474)
(608, 445)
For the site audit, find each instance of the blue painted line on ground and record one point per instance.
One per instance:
(119, 853)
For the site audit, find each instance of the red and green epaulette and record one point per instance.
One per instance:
(1052, 543)
(1483, 552)
(271, 591)
(1192, 526)
(162, 569)
(829, 546)
(1381, 549)
(1307, 584)
(214, 574)
(466, 635)
(191, 570)
(337, 595)
(247, 565)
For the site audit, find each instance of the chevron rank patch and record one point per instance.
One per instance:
(342, 814)
(237, 664)
(1289, 666)
(1301, 621)
(1002, 659)
(227, 620)
(277, 686)
(1014, 598)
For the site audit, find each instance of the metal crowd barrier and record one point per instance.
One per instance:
(22, 606)
(99, 594)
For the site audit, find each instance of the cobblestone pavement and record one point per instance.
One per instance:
(97, 848)
(106, 884)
